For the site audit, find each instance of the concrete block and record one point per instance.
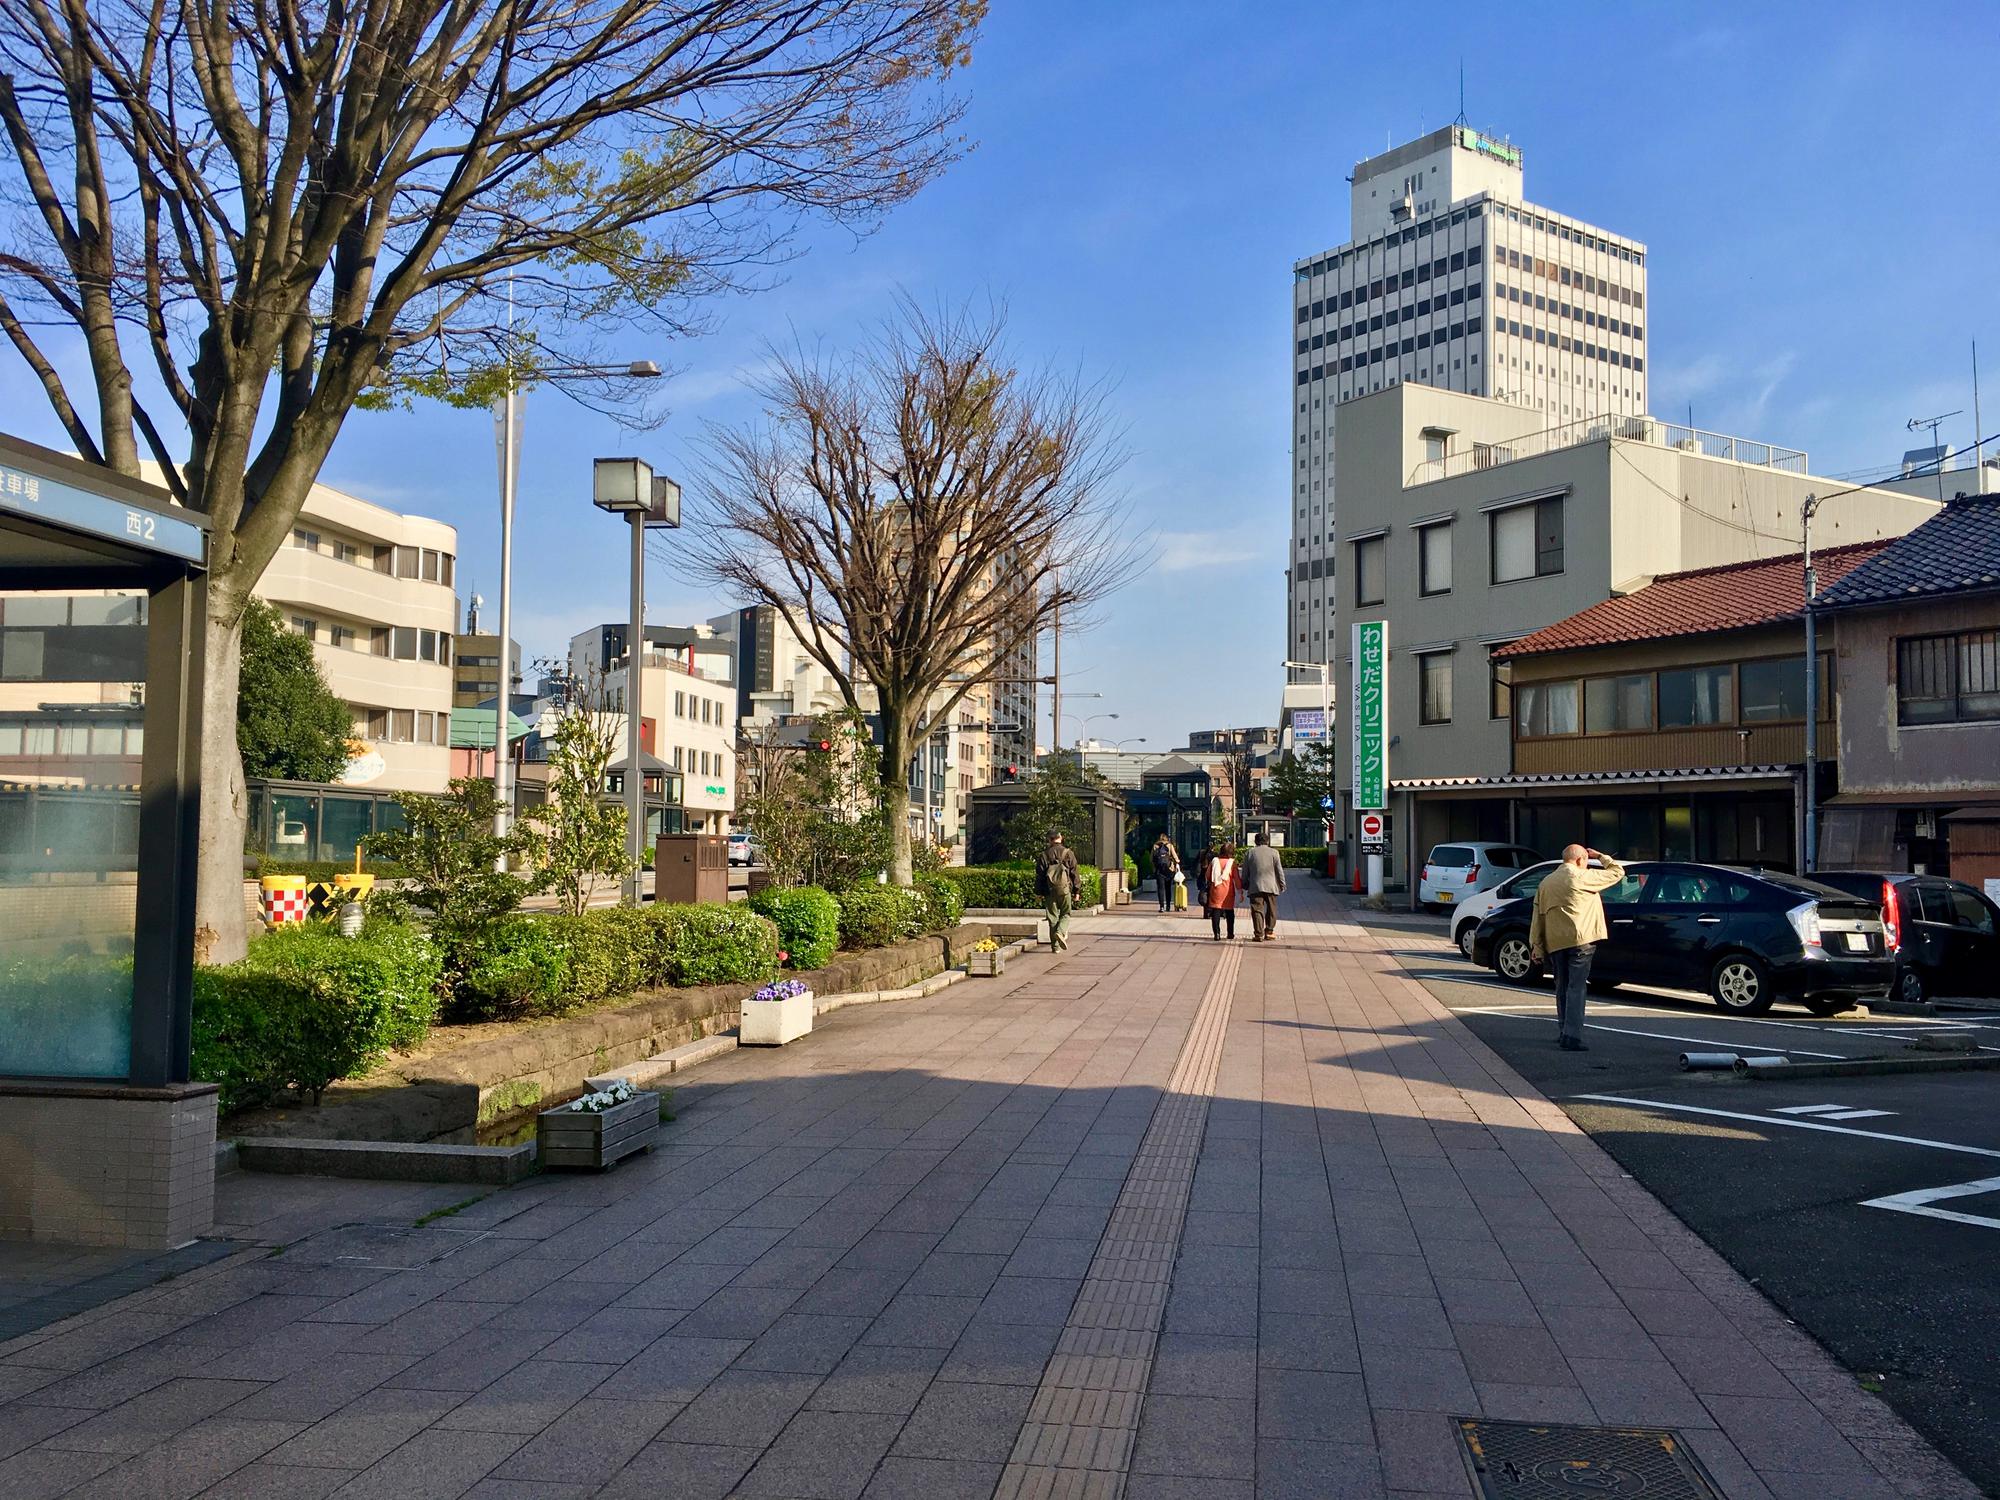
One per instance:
(394, 1161)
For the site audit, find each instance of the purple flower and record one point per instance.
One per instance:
(783, 989)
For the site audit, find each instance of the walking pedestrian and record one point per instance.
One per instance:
(1166, 865)
(1219, 899)
(1567, 926)
(1057, 880)
(1198, 872)
(1264, 880)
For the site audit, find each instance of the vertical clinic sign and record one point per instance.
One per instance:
(1370, 716)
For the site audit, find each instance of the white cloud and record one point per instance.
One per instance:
(1181, 551)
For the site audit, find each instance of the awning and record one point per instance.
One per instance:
(472, 728)
(1915, 799)
(1529, 781)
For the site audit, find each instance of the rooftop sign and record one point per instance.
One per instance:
(1485, 145)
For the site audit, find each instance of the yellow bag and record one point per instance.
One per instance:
(1180, 897)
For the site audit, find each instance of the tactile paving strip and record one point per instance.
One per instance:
(1077, 1441)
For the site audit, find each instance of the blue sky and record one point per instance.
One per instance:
(1817, 185)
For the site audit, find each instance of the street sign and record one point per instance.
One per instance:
(1326, 803)
(1369, 714)
(1374, 833)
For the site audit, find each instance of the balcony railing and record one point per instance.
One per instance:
(1638, 429)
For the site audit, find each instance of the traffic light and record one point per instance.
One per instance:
(1013, 773)
(826, 744)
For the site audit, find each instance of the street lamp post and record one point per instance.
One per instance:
(628, 487)
(507, 430)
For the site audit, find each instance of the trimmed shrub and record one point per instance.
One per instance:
(808, 922)
(1303, 856)
(871, 916)
(393, 963)
(945, 902)
(1131, 873)
(258, 1031)
(714, 944)
(1011, 887)
(522, 969)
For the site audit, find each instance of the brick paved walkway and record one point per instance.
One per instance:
(1162, 1219)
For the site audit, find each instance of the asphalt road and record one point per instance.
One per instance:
(1867, 1208)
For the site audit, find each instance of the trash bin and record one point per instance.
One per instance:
(691, 867)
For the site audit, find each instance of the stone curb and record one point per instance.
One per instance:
(394, 1161)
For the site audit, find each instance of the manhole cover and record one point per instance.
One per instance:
(382, 1247)
(1524, 1458)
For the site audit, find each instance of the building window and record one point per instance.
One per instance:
(1528, 540)
(1370, 570)
(1434, 703)
(1434, 560)
(1615, 705)
(341, 636)
(1773, 690)
(307, 628)
(1544, 708)
(1691, 697)
(1946, 679)
(1500, 690)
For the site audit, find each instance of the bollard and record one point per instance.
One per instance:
(1747, 1064)
(1695, 1062)
(283, 898)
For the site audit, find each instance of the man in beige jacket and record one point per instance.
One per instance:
(1567, 926)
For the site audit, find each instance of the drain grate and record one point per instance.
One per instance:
(1510, 1459)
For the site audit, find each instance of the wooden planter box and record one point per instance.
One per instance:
(568, 1137)
(772, 1023)
(986, 965)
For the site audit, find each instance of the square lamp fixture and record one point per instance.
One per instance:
(623, 485)
(666, 508)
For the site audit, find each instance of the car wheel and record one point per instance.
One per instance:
(1465, 931)
(1910, 987)
(1511, 961)
(1828, 1005)
(1740, 984)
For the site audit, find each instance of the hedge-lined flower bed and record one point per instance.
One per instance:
(808, 922)
(1011, 887)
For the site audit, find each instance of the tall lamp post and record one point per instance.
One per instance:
(507, 433)
(628, 487)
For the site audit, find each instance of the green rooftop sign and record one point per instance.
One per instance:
(1485, 145)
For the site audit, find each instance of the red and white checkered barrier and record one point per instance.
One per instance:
(285, 899)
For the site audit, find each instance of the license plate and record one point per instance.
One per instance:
(1857, 942)
(1447, 897)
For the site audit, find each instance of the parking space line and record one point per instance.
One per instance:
(1920, 1201)
(1662, 1036)
(1733, 1114)
(1835, 1111)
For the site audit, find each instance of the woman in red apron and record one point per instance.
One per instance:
(1225, 882)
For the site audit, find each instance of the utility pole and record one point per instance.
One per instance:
(1055, 678)
(1811, 861)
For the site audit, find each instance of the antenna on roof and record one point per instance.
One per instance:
(1461, 92)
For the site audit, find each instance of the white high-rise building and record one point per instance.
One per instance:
(1451, 279)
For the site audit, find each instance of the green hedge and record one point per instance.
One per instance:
(808, 922)
(1011, 887)
(307, 1007)
(946, 901)
(256, 865)
(68, 1015)
(1303, 856)
(547, 965)
(874, 916)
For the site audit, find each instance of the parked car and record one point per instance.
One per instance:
(1748, 937)
(1468, 914)
(1455, 871)
(1944, 933)
(743, 849)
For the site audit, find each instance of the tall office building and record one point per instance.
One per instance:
(1450, 279)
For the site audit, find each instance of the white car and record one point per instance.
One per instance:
(742, 849)
(1458, 870)
(1469, 913)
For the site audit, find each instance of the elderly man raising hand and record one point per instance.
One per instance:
(1567, 926)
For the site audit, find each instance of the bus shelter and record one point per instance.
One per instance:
(104, 1139)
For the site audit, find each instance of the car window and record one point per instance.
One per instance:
(1450, 856)
(1968, 911)
(1630, 888)
(1934, 901)
(1500, 859)
(1527, 882)
(1699, 888)
(1526, 857)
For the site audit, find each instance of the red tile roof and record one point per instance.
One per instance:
(1730, 597)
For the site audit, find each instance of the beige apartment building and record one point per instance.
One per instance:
(1467, 524)
(373, 590)
(687, 709)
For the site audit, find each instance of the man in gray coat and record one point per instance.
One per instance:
(1264, 879)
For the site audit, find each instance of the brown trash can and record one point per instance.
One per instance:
(691, 867)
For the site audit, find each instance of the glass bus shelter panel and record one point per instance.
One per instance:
(72, 727)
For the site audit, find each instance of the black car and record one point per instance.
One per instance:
(1944, 933)
(1748, 937)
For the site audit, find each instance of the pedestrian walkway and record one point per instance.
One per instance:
(1160, 1218)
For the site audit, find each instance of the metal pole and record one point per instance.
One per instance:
(635, 702)
(1812, 695)
(1055, 681)
(502, 815)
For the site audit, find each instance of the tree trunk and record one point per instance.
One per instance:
(221, 930)
(896, 799)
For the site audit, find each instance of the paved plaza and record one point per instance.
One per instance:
(1159, 1218)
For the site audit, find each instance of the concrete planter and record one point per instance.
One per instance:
(772, 1023)
(986, 965)
(578, 1138)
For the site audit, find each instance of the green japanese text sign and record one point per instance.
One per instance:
(1369, 714)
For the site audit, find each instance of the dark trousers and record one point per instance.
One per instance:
(1164, 879)
(1572, 968)
(1263, 913)
(1217, 915)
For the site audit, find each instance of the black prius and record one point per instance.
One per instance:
(1749, 938)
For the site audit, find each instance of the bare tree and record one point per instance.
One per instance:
(914, 512)
(258, 215)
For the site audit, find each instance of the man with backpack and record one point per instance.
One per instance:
(1058, 878)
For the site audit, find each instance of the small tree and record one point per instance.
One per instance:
(289, 724)
(915, 513)
(1298, 780)
(452, 857)
(848, 841)
(582, 835)
(1054, 806)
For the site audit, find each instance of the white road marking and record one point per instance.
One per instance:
(1835, 1111)
(1732, 1114)
(1808, 1109)
(1858, 1114)
(1920, 1201)
(1663, 1036)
